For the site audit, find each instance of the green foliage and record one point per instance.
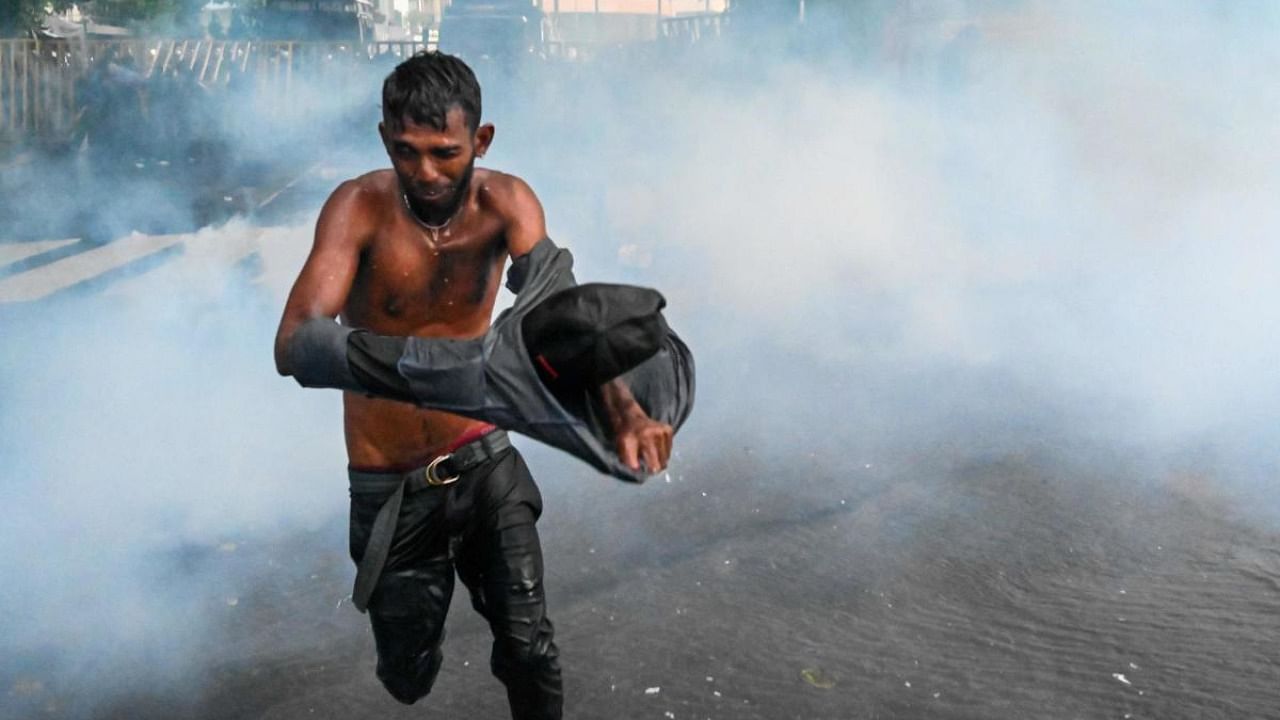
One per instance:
(123, 12)
(18, 17)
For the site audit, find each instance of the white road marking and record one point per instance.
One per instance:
(13, 252)
(45, 280)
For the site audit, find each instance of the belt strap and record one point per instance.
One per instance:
(442, 471)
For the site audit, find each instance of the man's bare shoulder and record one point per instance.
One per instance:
(359, 201)
(508, 197)
(501, 191)
(354, 209)
(367, 189)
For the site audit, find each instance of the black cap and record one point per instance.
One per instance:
(587, 335)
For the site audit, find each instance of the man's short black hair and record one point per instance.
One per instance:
(426, 86)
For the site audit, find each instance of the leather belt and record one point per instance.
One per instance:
(441, 471)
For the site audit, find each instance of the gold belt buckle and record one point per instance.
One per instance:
(432, 478)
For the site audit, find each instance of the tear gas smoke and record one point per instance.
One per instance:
(998, 226)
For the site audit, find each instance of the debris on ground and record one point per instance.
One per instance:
(817, 678)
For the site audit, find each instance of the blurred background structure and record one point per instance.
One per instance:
(125, 89)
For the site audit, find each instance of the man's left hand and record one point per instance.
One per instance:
(640, 438)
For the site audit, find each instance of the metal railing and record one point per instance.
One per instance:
(40, 80)
(37, 88)
(690, 29)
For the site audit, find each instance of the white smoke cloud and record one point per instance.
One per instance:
(1076, 199)
(1087, 205)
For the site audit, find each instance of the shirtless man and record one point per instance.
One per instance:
(419, 250)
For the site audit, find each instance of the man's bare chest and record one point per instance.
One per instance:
(407, 281)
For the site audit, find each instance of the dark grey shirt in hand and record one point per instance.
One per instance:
(492, 378)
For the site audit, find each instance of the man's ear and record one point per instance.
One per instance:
(382, 131)
(484, 137)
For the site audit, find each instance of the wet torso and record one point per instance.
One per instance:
(415, 281)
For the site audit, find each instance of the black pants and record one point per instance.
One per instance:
(482, 526)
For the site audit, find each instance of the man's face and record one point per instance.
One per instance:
(434, 166)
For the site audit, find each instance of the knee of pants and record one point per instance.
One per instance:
(536, 656)
(409, 683)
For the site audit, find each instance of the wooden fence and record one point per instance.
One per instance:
(39, 79)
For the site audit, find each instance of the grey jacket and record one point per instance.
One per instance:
(491, 378)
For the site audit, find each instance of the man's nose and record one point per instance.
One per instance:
(427, 172)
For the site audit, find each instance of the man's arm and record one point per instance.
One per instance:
(325, 280)
(638, 438)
